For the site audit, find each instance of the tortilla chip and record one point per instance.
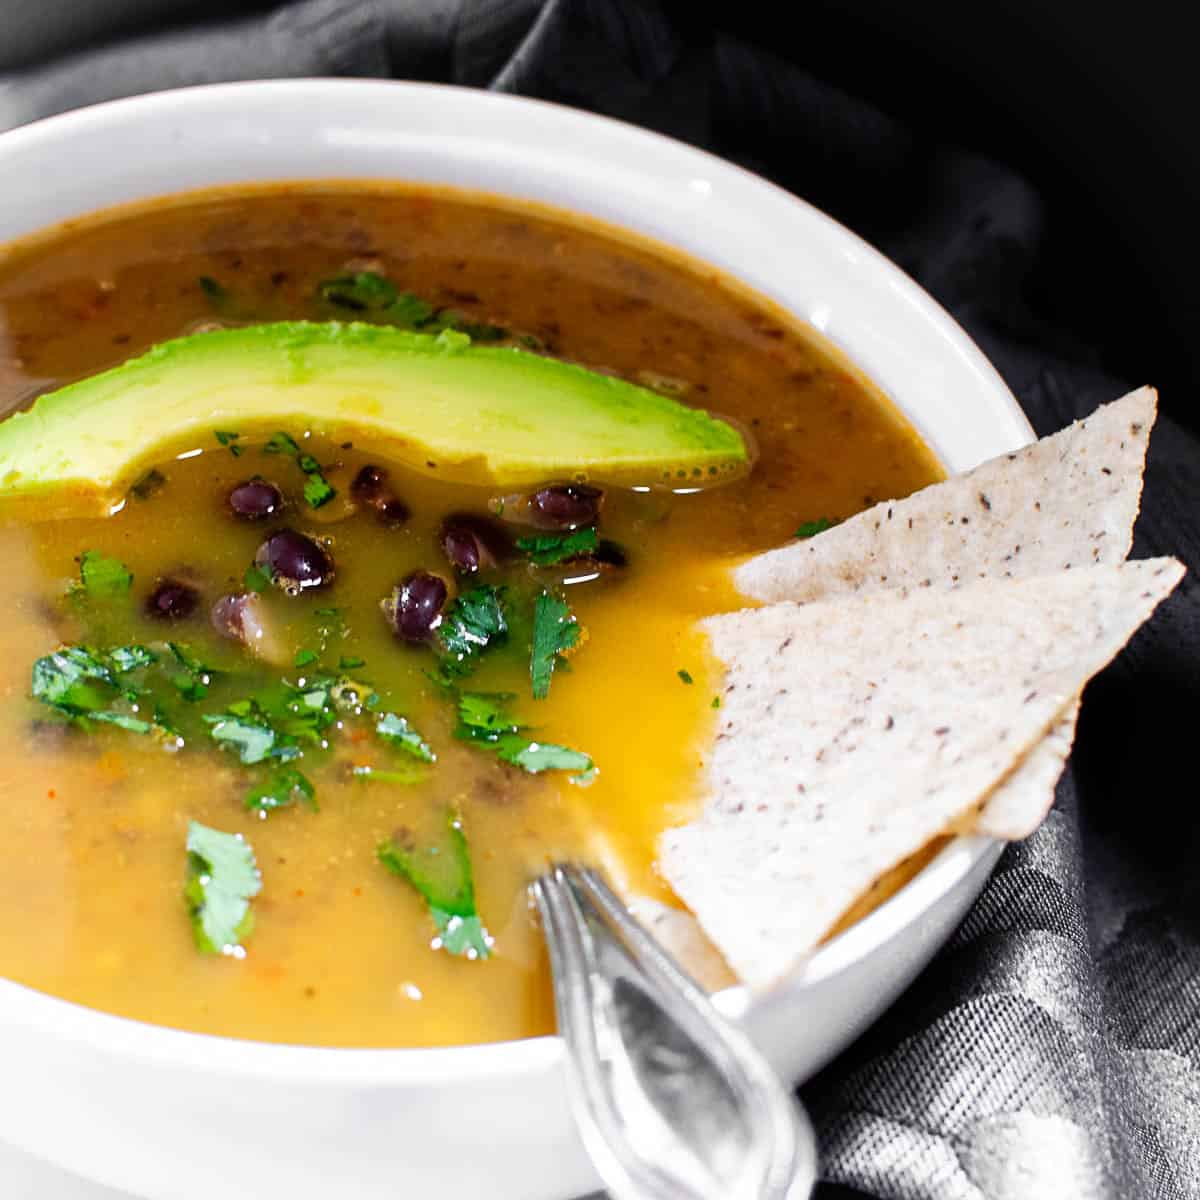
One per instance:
(853, 732)
(679, 933)
(1020, 802)
(1068, 499)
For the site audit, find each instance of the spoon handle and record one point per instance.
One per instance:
(673, 1102)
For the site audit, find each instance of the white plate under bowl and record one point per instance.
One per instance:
(178, 1116)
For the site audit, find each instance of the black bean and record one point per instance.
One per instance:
(294, 561)
(414, 609)
(368, 484)
(473, 542)
(255, 500)
(172, 600)
(567, 505)
(392, 512)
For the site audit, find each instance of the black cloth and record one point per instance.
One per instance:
(1052, 1048)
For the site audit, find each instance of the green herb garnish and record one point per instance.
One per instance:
(222, 879)
(406, 775)
(195, 677)
(473, 623)
(351, 662)
(82, 684)
(317, 489)
(228, 439)
(546, 549)
(304, 658)
(484, 720)
(812, 528)
(284, 787)
(103, 578)
(396, 731)
(251, 738)
(555, 631)
(716, 702)
(256, 579)
(686, 676)
(441, 875)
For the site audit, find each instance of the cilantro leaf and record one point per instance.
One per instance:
(304, 658)
(546, 549)
(473, 623)
(250, 738)
(484, 720)
(812, 528)
(222, 879)
(284, 787)
(281, 443)
(555, 630)
(103, 578)
(405, 775)
(228, 439)
(363, 291)
(396, 731)
(81, 683)
(194, 679)
(685, 676)
(318, 490)
(441, 874)
(351, 662)
(256, 579)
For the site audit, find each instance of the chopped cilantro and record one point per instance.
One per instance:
(103, 578)
(441, 874)
(284, 787)
(131, 658)
(351, 662)
(364, 291)
(317, 489)
(148, 484)
(376, 298)
(686, 676)
(716, 702)
(396, 731)
(256, 579)
(812, 528)
(406, 775)
(281, 443)
(473, 623)
(195, 677)
(252, 739)
(222, 879)
(484, 720)
(81, 684)
(228, 439)
(304, 657)
(546, 549)
(555, 631)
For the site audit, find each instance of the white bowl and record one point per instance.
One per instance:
(179, 1116)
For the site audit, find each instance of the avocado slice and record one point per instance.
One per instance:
(474, 414)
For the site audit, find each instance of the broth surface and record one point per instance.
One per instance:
(95, 823)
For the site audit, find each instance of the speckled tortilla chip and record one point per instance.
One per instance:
(1066, 500)
(852, 732)
(1069, 500)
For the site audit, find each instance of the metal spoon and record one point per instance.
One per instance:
(673, 1101)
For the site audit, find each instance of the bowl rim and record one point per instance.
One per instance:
(386, 1066)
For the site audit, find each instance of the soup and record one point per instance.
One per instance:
(343, 739)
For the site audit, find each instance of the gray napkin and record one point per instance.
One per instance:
(1050, 1052)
